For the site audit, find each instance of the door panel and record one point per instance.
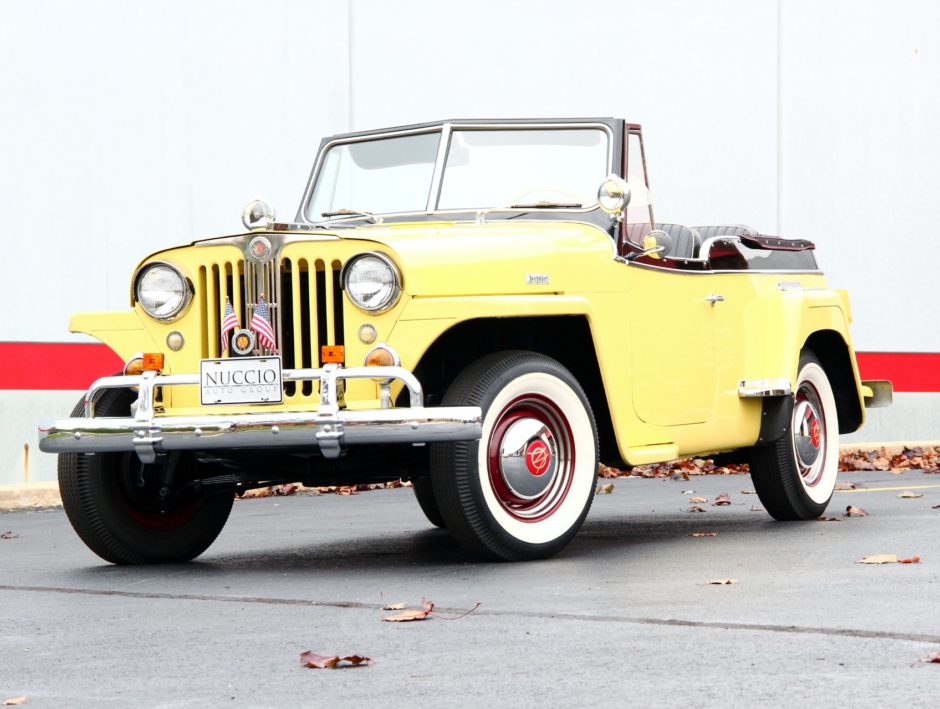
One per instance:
(674, 349)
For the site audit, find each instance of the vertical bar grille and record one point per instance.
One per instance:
(218, 281)
(306, 300)
(311, 316)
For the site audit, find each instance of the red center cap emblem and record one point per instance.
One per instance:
(815, 433)
(537, 457)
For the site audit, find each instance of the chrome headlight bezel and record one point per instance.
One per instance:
(186, 291)
(387, 302)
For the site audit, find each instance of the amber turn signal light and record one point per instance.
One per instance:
(332, 354)
(380, 357)
(153, 361)
(145, 362)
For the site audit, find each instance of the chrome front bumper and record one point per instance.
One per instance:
(330, 428)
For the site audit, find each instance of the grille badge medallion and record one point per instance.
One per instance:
(243, 342)
(259, 249)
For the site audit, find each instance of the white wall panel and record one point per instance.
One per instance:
(860, 105)
(700, 77)
(128, 127)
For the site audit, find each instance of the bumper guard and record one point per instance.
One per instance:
(330, 428)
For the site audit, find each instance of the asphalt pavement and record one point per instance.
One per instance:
(625, 616)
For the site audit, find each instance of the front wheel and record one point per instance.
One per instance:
(522, 491)
(130, 513)
(796, 475)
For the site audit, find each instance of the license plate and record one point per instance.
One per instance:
(241, 380)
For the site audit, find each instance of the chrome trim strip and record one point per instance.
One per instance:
(437, 178)
(330, 432)
(741, 271)
(330, 428)
(756, 388)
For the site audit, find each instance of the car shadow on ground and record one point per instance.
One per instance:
(431, 549)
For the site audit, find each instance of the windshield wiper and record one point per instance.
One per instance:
(542, 204)
(352, 213)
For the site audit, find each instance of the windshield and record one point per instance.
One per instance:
(385, 175)
(484, 168)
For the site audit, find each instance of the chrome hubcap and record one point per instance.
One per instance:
(528, 458)
(809, 434)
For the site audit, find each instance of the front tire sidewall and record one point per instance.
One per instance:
(570, 512)
(486, 525)
(105, 518)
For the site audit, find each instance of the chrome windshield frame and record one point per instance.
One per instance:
(446, 130)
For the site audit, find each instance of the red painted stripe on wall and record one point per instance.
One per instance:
(59, 366)
(908, 371)
(55, 365)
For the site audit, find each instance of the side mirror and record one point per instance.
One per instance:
(657, 243)
(613, 195)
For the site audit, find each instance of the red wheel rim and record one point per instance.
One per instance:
(543, 469)
(810, 439)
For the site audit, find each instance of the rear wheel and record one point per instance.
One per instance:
(131, 513)
(523, 490)
(795, 476)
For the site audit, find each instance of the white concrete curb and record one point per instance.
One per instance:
(29, 495)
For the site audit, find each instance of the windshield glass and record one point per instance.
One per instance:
(484, 168)
(378, 176)
(503, 168)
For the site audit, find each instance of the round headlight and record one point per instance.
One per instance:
(372, 282)
(162, 291)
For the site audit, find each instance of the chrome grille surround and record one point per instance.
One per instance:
(303, 292)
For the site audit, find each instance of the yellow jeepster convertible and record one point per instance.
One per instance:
(485, 308)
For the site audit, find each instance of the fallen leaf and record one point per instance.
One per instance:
(911, 495)
(912, 560)
(722, 582)
(829, 519)
(316, 661)
(932, 657)
(407, 616)
(722, 499)
(696, 509)
(604, 489)
(698, 500)
(936, 507)
(412, 614)
(394, 607)
(878, 559)
(757, 509)
(748, 492)
(846, 486)
(14, 701)
(855, 512)
(688, 492)
(9, 535)
(703, 534)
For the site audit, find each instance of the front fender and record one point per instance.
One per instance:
(122, 331)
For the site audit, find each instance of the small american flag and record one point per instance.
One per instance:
(261, 323)
(229, 323)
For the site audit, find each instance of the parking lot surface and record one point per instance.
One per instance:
(625, 616)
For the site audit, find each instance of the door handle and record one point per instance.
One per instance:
(714, 298)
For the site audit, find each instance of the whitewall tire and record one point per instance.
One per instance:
(796, 475)
(523, 490)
